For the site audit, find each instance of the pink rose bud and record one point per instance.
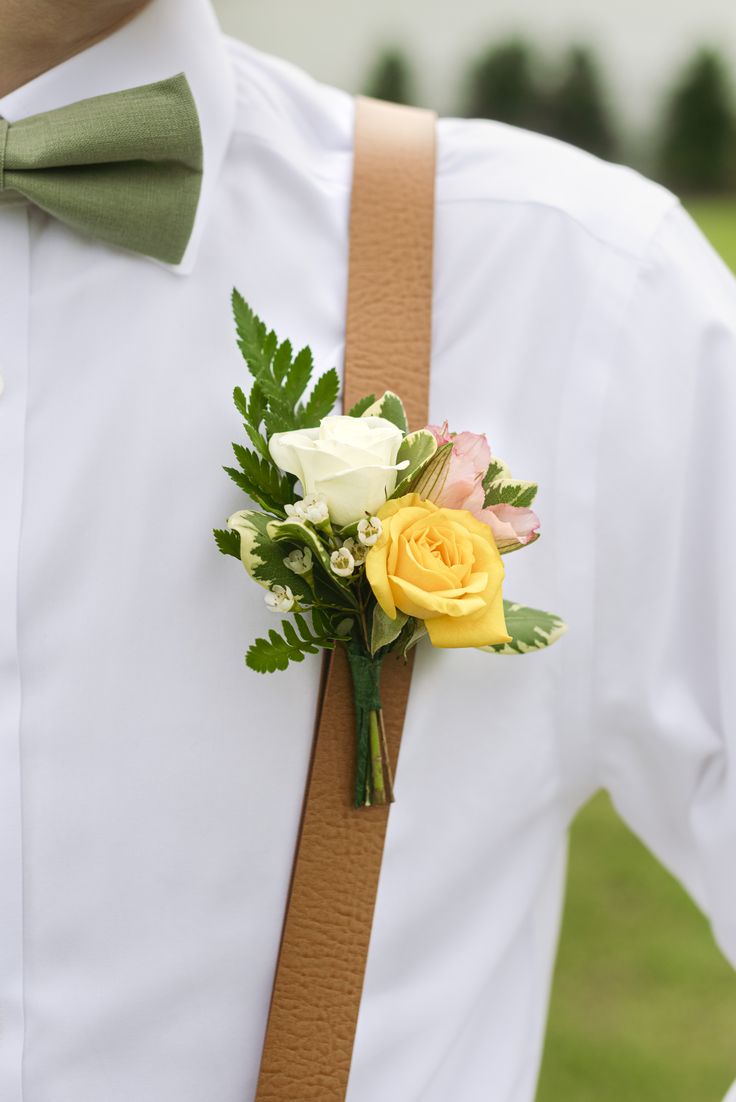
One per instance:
(456, 482)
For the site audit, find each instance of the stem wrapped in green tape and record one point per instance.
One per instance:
(373, 781)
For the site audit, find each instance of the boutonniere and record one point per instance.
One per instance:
(368, 536)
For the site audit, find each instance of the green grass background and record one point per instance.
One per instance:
(643, 1005)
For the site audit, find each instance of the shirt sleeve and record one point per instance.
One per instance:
(664, 682)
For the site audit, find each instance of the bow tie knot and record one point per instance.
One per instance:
(125, 167)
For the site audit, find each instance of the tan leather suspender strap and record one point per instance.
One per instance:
(319, 976)
(389, 315)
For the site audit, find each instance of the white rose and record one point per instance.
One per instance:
(350, 460)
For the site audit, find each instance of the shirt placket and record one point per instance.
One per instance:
(14, 348)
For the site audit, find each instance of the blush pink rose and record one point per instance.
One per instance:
(461, 487)
(512, 526)
(463, 474)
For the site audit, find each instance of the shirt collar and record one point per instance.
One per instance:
(167, 37)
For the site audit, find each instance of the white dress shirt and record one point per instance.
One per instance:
(150, 784)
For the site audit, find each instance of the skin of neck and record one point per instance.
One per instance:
(36, 35)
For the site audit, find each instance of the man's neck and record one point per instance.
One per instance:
(35, 35)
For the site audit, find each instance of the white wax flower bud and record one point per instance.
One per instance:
(357, 550)
(369, 531)
(313, 508)
(279, 599)
(300, 561)
(342, 563)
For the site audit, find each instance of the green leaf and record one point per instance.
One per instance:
(418, 447)
(262, 557)
(240, 402)
(496, 469)
(267, 360)
(257, 405)
(384, 630)
(273, 486)
(282, 361)
(252, 411)
(279, 419)
(508, 491)
(320, 401)
(332, 624)
(294, 530)
(530, 630)
(274, 392)
(258, 441)
(414, 637)
(302, 533)
(228, 541)
(256, 344)
(249, 488)
(269, 655)
(275, 652)
(280, 380)
(298, 376)
(362, 405)
(350, 530)
(343, 627)
(390, 407)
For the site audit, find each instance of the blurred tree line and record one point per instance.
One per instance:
(694, 149)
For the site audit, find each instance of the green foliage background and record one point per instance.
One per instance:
(691, 148)
(643, 1005)
(699, 132)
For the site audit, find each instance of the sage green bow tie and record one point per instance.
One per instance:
(125, 167)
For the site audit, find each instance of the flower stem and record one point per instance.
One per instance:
(373, 781)
(379, 788)
(386, 759)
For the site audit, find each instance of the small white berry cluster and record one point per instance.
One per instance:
(351, 554)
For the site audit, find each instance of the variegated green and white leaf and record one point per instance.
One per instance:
(384, 630)
(298, 531)
(389, 406)
(418, 448)
(509, 491)
(262, 557)
(530, 630)
(228, 541)
(361, 405)
(496, 469)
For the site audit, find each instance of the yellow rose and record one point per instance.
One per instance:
(441, 566)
